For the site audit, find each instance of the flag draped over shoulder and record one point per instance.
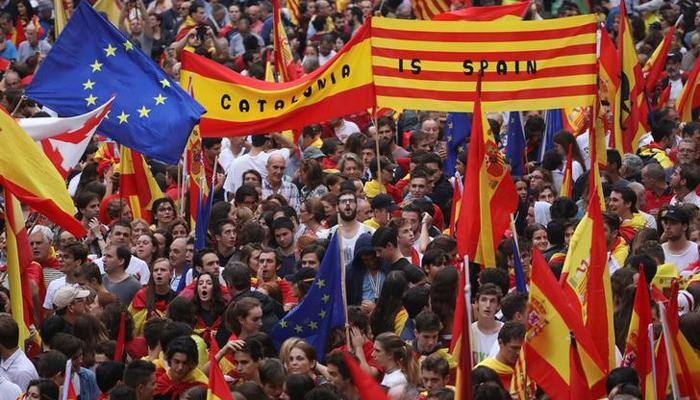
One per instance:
(515, 145)
(218, 388)
(507, 12)
(32, 178)
(151, 113)
(549, 341)
(237, 105)
(460, 347)
(689, 99)
(137, 184)
(486, 207)
(321, 310)
(19, 256)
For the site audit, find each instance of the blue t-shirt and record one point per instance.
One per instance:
(10, 52)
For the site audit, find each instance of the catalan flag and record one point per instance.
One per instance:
(655, 65)
(689, 99)
(633, 105)
(218, 388)
(609, 75)
(19, 256)
(137, 184)
(485, 211)
(428, 9)
(524, 65)
(637, 352)
(32, 179)
(512, 12)
(460, 347)
(549, 343)
(567, 185)
(284, 59)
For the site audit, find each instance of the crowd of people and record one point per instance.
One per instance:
(381, 184)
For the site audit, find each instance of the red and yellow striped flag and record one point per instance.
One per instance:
(567, 185)
(198, 185)
(460, 347)
(689, 99)
(633, 104)
(137, 184)
(284, 59)
(31, 177)
(685, 361)
(549, 341)
(655, 65)
(19, 256)
(524, 65)
(637, 350)
(513, 12)
(293, 6)
(485, 211)
(429, 9)
(609, 78)
(217, 388)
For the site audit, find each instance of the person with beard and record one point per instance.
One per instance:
(678, 250)
(684, 181)
(386, 131)
(205, 260)
(349, 226)
(153, 299)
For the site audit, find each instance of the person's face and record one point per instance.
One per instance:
(273, 391)
(254, 13)
(234, 13)
(79, 307)
(144, 247)
(686, 153)
(252, 322)
(284, 238)
(177, 253)
(275, 170)
(252, 180)
(153, 21)
(328, 208)
(488, 306)
(431, 127)
(161, 273)
(165, 213)
(180, 366)
(673, 69)
(676, 178)
(111, 261)
(268, 266)
(179, 231)
(433, 269)
(145, 391)
(364, 211)
(539, 240)
(310, 260)
(253, 264)
(347, 207)
(536, 179)
(386, 135)
(381, 216)
(205, 285)
(646, 179)
(210, 264)
(335, 378)
(33, 391)
(418, 188)
(199, 16)
(406, 236)
(351, 170)
(324, 9)
(40, 246)
(189, 253)
(366, 7)
(567, 234)
(138, 229)
(298, 362)
(413, 218)
(367, 156)
(245, 366)
(617, 205)
(120, 235)
(92, 210)
(325, 47)
(521, 188)
(227, 238)
(427, 340)
(546, 195)
(511, 350)
(610, 235)
(64, 238)
(136, 27)
(673, 230)
(431, 380)
(381, 357)
(249, 202)
(67, 262)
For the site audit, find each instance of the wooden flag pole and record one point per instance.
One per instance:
(343, 288)
(468, 305)
(376, 147)
(669, 355)
(652, 345)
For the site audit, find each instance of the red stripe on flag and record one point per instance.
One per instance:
(524, 94)
(522, 56)
(488, 37)
(451, 76)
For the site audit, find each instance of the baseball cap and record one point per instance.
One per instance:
(383, 201)
(67, 295)
(303, 274)
(674, 56)
(675, 214)
(312, 152)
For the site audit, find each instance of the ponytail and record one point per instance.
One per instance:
(410, 366)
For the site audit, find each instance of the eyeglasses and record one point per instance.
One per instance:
(346, 201)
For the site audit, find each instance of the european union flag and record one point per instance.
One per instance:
(520, 285)
(458, 129)
(553, 124)
(321, 310)
(90, 62)
(515, 146)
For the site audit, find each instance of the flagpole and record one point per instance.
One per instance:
(376, 145)
(343, 288)
(67, 380)
(185, 182)
(652, 345)
(468, 305)
(669, 355)
(213, 179)
(179, 188)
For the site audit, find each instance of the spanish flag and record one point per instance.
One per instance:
(557, 343)
(609, 82)
(567, 185)
(633, 105)
(137, 184)
(485, 211)
(218, 388)
(198, 185)
(689, 99)
(284, 59)
(33, 180)
(685, 363)
(121, 339)
(460, 347)
(19, 256)
(509, 12)
(110, 8)
(655, 65)
(637, 350)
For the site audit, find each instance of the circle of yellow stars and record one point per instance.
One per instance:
(96, 67)
(312, 325)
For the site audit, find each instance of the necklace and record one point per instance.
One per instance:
(374, 283)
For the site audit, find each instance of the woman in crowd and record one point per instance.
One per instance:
(153, 299)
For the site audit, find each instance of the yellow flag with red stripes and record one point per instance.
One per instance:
(137, 184)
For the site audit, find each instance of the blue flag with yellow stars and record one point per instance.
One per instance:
(90, 62)
(458, 127)
(322, 308)
(515, 145)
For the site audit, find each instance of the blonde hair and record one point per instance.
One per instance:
(286, 348)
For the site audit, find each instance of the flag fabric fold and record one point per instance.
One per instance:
(321, 310)
(366, 385)
(567, 184)
(218, 387)
(515, 145)
(458, 129)
(656, 64)
(284, 59)
(137, 184)
(689, 99)
(609, 78)
(637, 353)
(512, 12)
(460, 347)
(151, 113)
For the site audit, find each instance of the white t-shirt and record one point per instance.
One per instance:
(51, 291)
(137, 268)
(346, 129)
(683, 259)
(394, 378)
(483, 343)
(258, 162)
(8, 389)
(349, 243)
(226, 157)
